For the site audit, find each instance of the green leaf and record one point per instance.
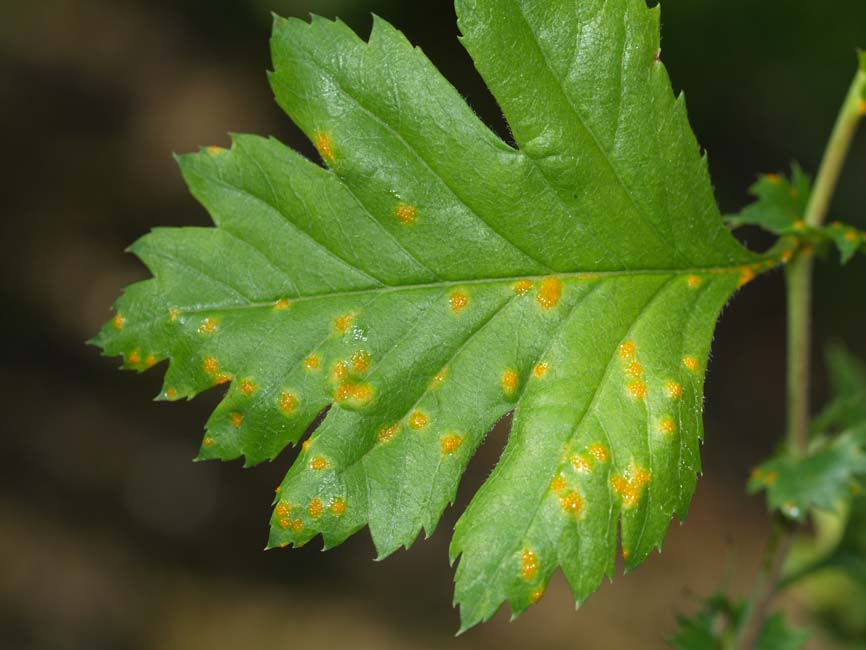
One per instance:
(847, 406)
(780, 208)
(714, 626)
(433, 279)
(781, 203)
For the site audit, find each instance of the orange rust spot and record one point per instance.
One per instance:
(747, 274)
(318, 463)
(284, 544)
(458, 301)
(338, 506)
(208, 326)
(549, 292)
(297, 525)
(362, 393)
(150, 361)
(134, 357)
(305, 446)
(315, 508)
(439, 378)
(236, 418)
(774, 178)
(340, 370)
(799, 224)
(214, 150)
(344, 322)
(536, 595)
(634, 370)
(282, 303)
(756, 474)
(118, 322)
(673, 390)
(210, 365)
(278, 489)
(311, 362)
(627, 350)
(173, 314)
(694, 281)
(626, 554)
(418, 420)
(282, 510)
(861, 107)
(344, 392)
(171, 393)
(522, 287)
(528, 564)
(248, 387)
(581, 464)
(667, 426)
(630, 485)
(636, 389)
(509, 381)
(451, 443)
(690, 363)
(222, 378)
(541, 369)
(571, 502)
(558, 483)
(208, 441)
(324, 146)
(360, 361)
(284, 523)
(599, 452)
(387, 433)
(851, 235)
(770, 478)
(288, 402)
(405, 213)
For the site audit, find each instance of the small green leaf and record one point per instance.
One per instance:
(847, 406)
(433, 279)
(781, 203)
(715, 625)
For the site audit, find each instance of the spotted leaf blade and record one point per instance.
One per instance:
(430, 279)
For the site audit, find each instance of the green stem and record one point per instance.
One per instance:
(799, 291)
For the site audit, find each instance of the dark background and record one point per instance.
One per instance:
(111, 538)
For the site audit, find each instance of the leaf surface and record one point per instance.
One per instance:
(431, 279)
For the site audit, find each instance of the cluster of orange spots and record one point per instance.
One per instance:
(509, 381)
(767, 478)
(851, 235)
(690, 363)
(208, 441)
(418, 420)
(150, 361)
(387, 433)
(747, 274)
(338, 506)
(360, 361)
(630, 485)
(248, 387)
(636, 389)
(222, 378)
(315, 508)
(295, 524)
(450, 443)
(799, 224)
(528, 564)
(549, 292)
(693, 281)
(208, 326)
(282, 510)
(673, 389)
(536, 595)
(599, 452)
(627, 350)
(318, 463)
(118, 322)
(439, 378)
(522, 287)
(305, 446)
(311, 362)
(134, 357)
(581, 464)
(634, 370)
(210, 365)
(861, 107)
(571, 503)
(773, 178)
(171, 393)
(558, 483)
(667, 426)
(236, 418)
(458, 301)
(361, 393)
(344, 322)
(288, 402)
(340, 370)
(282, 303)
(213, 150)
(541, 369)
(173, 314)
(324, 146)
(406, 213)
(786, 256)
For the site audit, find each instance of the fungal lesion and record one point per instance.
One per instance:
(630, 485)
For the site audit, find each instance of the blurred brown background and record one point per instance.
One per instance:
(111, 538)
